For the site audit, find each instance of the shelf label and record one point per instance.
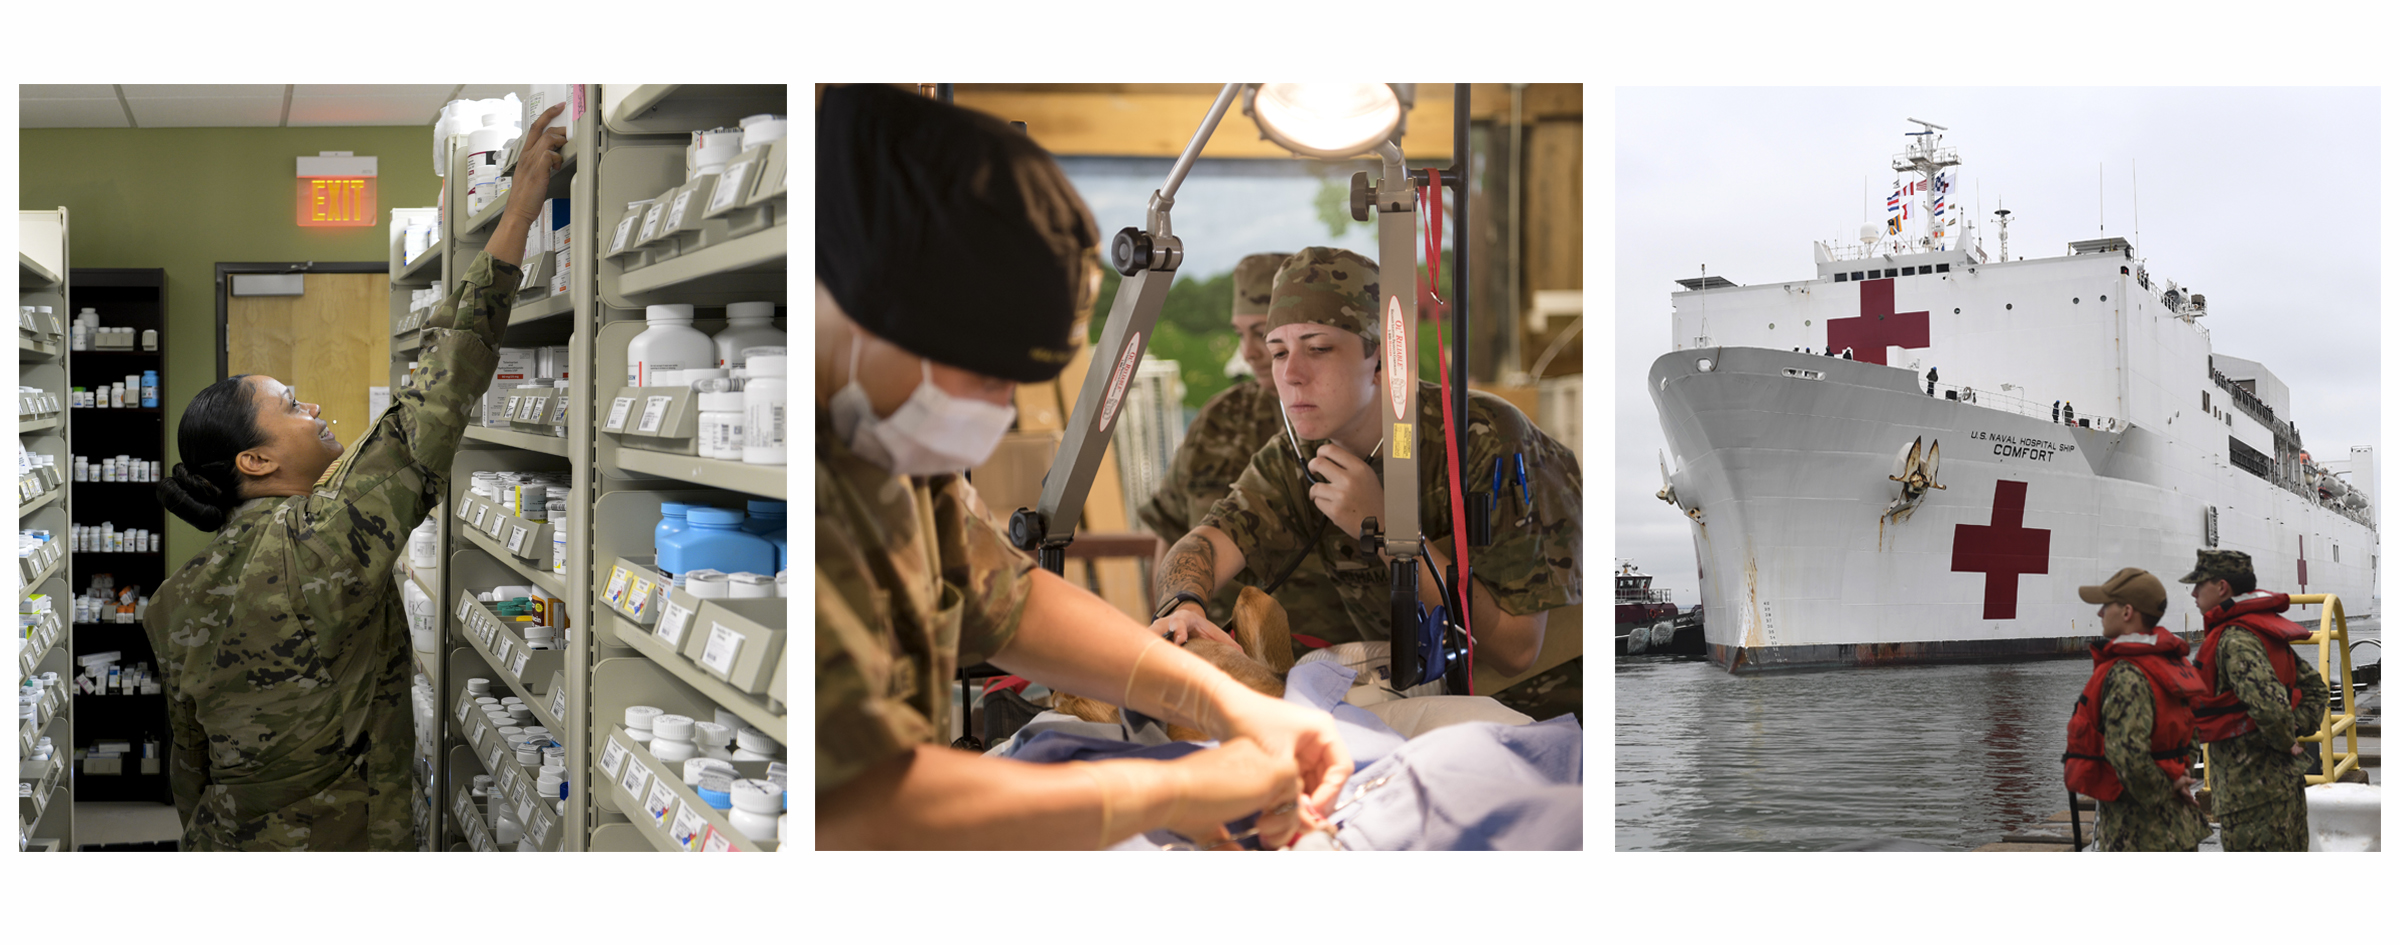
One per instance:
(466, 704)
(480, 728)
(613, 759)
(558, 703)
(477, 520)
(718, 843)
(523, 657)
(723, 645)
(544, 818)
(654, 413)
(729, 186)
(624, 229)
(492, 761)
(516, 538)
(660, 802)
(688, 827)
(464, 806)
(618, 410)
(617, 579)
(513, 406)
(462, 508)
(498, 520)
(672, 621)
(525, 812)
(650, 224)
(675, 216)
(638, 601)
(501, 654)
(636, 775)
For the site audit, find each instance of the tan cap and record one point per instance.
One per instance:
(1254, 282)
(2132, 586)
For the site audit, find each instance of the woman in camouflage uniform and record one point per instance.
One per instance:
(285, 656)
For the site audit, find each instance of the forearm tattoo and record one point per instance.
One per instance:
(1191, 566)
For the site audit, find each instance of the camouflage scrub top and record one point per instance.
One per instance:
(1229, 430)
(2148, 816)
(913, 581)
(1533, 564)
(285, 652)
(2257, 769)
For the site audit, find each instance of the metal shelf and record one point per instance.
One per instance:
(699, 271)
(31, 274)
(49, 572)
(551, 307)
(535, 442)
(482, 221)
(36, 505)
(680, 109)
(499, 552)
(37, 426)
(35, 346)
(425, 270)
(684, 806)
(539, 702)
(751, 709)
(766, 482)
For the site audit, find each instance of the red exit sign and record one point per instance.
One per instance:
(337, 201)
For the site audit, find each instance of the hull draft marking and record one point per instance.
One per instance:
(2002, 550)
(1876, 326)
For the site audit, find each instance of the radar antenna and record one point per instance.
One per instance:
(2002, 213)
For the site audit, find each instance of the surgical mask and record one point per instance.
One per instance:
(932, 434)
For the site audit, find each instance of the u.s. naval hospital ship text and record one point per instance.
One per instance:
(1867, 509)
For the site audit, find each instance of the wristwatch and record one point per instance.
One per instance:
(1177, 601)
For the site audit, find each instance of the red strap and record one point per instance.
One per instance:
(1309, 641)
(1017, 683)
(1441, 349)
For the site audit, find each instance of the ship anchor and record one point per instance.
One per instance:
(1915, 473)
(1667, 494)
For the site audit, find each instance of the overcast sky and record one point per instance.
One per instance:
(2268, 201)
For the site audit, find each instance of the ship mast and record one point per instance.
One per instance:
(2002, 213)
(1926, 158)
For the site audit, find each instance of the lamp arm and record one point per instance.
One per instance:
(1163, 199)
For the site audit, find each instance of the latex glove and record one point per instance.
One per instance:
(1307, 737)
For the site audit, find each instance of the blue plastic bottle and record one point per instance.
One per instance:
(766, 521)
(149, 388)
(713, 539)
(670, 520)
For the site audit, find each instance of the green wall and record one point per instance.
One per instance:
(185, 199)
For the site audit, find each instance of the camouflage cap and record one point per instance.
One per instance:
(2218, 563)
(1326, 286)
(2132, 586)
(1254, 282)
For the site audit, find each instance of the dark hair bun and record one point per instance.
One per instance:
(193, 498)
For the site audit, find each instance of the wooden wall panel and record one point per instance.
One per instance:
(330, 343)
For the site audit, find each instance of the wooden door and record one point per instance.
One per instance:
(330, 343)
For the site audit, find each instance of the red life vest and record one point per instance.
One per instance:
(2222, 715)
(2172, 685)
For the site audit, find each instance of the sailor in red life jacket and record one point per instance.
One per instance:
(2129, 742)
(2259, 698)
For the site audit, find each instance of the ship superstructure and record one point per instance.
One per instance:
(1918, 454)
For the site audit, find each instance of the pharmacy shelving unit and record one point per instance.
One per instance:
(726, 248)
(577, 690)
(136, 299)
(46, 814)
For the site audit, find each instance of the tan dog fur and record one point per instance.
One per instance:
(1265, 633)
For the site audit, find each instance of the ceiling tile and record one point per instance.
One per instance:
(494, 91)
(81, 113)
(326, 110)
(434, 92)
(32, 93)
(208, 112)
(135, 92)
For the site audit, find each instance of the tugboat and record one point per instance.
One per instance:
(1646, 617)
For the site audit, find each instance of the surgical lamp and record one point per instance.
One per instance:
(1329, 122)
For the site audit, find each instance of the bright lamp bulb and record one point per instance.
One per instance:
(1326, 120)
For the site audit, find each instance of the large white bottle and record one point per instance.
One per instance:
(763, 440)
(669, 344)
(747, 325)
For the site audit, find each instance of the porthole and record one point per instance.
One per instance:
(2078, 300)
(2012, 306)
(2104, 298)
(1953, 311)
(1808, 323)
(1770, 326)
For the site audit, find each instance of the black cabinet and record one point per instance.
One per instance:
(136, 299)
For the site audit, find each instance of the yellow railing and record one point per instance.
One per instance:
(2332, 636)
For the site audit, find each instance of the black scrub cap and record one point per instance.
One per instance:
(949, 233)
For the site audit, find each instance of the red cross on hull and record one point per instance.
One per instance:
(1876, 326)
(2002, 550)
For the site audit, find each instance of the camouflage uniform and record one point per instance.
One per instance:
(2257, 782)
(285, 654)
(1229, 430)
(1534, 562)
(913, 581)
(2151, 815)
